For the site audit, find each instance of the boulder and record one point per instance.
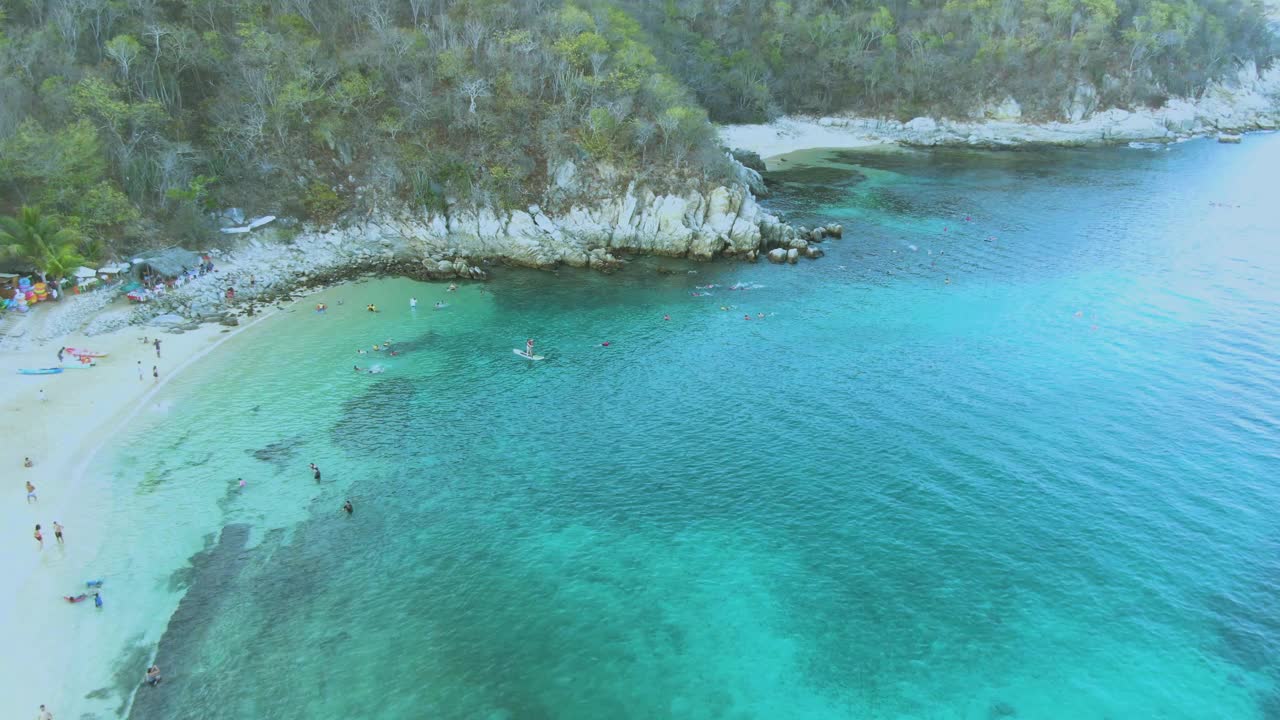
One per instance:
(750, 159)
(168, 320)
(813, 252)
(793, 255)
(778, 255)
(835, 230)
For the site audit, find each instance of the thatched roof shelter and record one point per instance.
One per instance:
(168, 263)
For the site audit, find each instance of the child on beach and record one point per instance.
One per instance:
(39, 538)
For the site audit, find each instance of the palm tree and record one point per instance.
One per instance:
(40, 241)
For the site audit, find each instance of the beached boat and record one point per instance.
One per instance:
(39, 371)
(80, 352)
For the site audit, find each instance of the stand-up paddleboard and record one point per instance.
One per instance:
(526, 355)
(56, 370)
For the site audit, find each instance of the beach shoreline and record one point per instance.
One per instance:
(65, 435)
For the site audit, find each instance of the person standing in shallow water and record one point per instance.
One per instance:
(346, 506)
(39, 538)
(157, 344)
(57, 531)
(155, 373)
(315, 470)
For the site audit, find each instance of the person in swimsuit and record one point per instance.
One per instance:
(413, 303)
(57, 531)
(666, 317)
(315, 470)
(528, 347)
(347, 507)
(44, 714)
(356, 367)
(153, 675)
(75, 599)
(31, 489)
(372, 308)
(39, 538)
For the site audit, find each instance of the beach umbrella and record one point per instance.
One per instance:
(85, 272)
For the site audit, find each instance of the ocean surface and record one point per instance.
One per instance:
(1010, 450)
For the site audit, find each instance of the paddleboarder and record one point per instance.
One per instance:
(528, 347)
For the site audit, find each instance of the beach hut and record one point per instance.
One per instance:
(110, 273)
(161, 265)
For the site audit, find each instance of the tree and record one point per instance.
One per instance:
(48, 246)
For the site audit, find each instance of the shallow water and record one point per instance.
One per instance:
(1043, 490)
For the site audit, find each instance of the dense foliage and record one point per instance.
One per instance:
(111, 109)
(752, 59)
(118, 114)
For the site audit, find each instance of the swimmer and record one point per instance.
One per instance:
(394, 353)
(453, 287)
(361, 351)
(372, 308)
(724, 307)
(439, 305)
(948, 281)
(377, 348)
(347, 507)
(76, 599)
(666, 317)
(746, 317)
(604, 344)
(760, 316)
(241, 483)
(356, 368)
(320, 307)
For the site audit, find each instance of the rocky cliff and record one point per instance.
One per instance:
(1250, 101)
(460, 242)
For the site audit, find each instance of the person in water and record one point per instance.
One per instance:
(316, 471)
(347, 507)
(746, 317)
(439, 304)
(356, 368)
(413, 303)
(57, 531)
(153, 675)
(76, 599)
(372, 308)
(452, 287)
(666, 317)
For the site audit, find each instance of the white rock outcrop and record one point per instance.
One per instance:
(1249, 101)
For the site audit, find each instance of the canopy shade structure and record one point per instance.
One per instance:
(168, 263)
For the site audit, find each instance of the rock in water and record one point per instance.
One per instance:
(793, 255)
(777, 255)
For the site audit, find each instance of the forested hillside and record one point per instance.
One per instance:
(131, 119)
(749, 60)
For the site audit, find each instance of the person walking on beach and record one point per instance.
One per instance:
(31, 492)
(140, 376)
(57, 531)
(44, 714)
(39, 538)
(315, 470)
(157, 343)
(155, 373)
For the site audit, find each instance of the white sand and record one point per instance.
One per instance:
(788, 135)
(51, 645)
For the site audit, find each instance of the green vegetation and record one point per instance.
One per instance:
(131, 119)
(749, 60)
(41, 242)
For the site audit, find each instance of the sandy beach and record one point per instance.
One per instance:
(53, 645)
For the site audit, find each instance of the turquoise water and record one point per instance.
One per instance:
(1045, 489)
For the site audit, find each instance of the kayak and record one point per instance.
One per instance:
(78, 365)
(80, 352)
(39, 371)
